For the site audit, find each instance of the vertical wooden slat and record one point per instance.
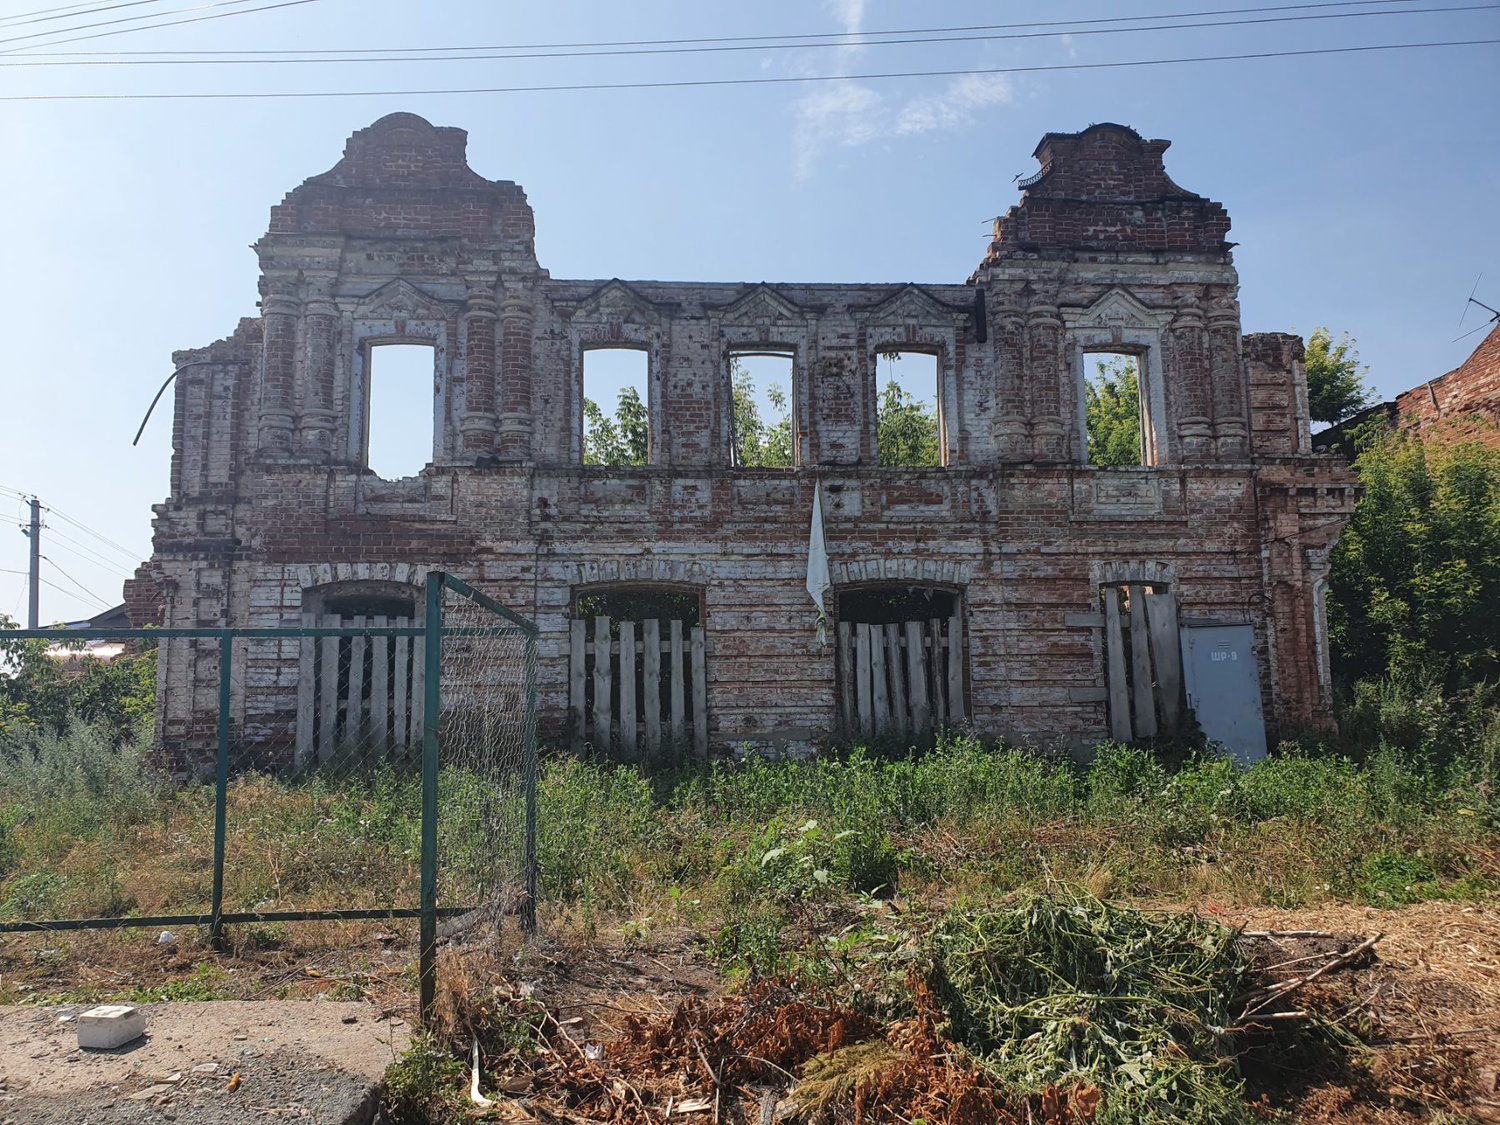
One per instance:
(1166, 655)
(356, 727)
(679, 676)
(956, 667)
(627, 689)
(401, 689)
(900, 719)
(380, 690)
(307, 693)
(846, 676)
(878, 689)
(1114, 647)
(936, 665)
(577, 691)
(916, 676)
(651, 686)
(862, 679)
(603, 671)
(1140, 667)
(699, 643)
(328, 691)
(418, 690)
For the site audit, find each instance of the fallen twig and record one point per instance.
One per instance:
(1283, 989)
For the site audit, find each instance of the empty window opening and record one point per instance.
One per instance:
(1142, 661)
(616, 426)
(906, 415)
(1114, 413)
(637, 673)
(399, 426)
(760, 413)
(900, 661)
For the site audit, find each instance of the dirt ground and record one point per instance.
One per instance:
(216, 1062)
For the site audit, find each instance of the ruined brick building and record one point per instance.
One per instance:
(1012, 587)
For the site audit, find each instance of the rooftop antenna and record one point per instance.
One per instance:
(1494, 313)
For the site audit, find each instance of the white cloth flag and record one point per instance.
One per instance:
(818, 581)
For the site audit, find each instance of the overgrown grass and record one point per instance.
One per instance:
(87, 827)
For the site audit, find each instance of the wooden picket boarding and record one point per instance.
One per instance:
(624, 715)
(900, 679)
(357, 695)
(1145, 691)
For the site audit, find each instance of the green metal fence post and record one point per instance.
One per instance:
(528, 907)
(431, 703)
(221, 789)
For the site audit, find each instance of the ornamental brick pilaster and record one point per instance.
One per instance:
(1231, 427)
(280, 312)
(1191, 379)
(1045, 371)
(320, 319)
(479, 422)
(1011, 412)
(516, 317)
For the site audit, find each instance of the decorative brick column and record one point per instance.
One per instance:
(280, 312)
(516, 315)
(1043, 375)
(1010, 392)
(1191, 381)
(1231, 427)
(478, 424)
(321, 347)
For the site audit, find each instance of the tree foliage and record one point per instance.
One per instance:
(906, 431)
(1335, 377)
(1112, 410)
(1415, 583)
(620, 439)
(45, 692)
(758, 443)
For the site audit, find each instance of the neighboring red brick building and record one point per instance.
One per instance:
(1463, 405)
(1014, 588)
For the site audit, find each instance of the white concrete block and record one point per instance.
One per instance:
(109, 1026)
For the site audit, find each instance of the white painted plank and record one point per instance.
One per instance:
(679, 679)
(936, 663)
(1140, 667)
(846, 688)
(603, 676)
(328, 691)
(862, 679)
(418, 693)
(577, 691)
(356, 724)
(1114, 645)
(651, 686)
(956, 667)
(401, 691)
(307, 692)
(900, 719)
(879, 691)
(1166, 655)
(699, 644)
(916, 677)
(380, 690)
(627, 689)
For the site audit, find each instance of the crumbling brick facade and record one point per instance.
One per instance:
(402, 241)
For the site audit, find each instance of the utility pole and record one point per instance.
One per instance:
(33, 604)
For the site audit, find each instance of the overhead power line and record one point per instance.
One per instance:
(918, 39)
(60, 589)
(133, 556)
(843, 38)
(68, 12)
(86, 553)
(701, 83)
(151, 26)
(102, 604)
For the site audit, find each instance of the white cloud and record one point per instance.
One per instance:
(955, 106)
(849, 114)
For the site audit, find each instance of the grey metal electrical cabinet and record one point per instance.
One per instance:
(1223, 687)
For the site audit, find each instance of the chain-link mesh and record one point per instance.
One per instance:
(285, 776)
(486, 738)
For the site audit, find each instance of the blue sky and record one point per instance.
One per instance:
(1362, 186)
